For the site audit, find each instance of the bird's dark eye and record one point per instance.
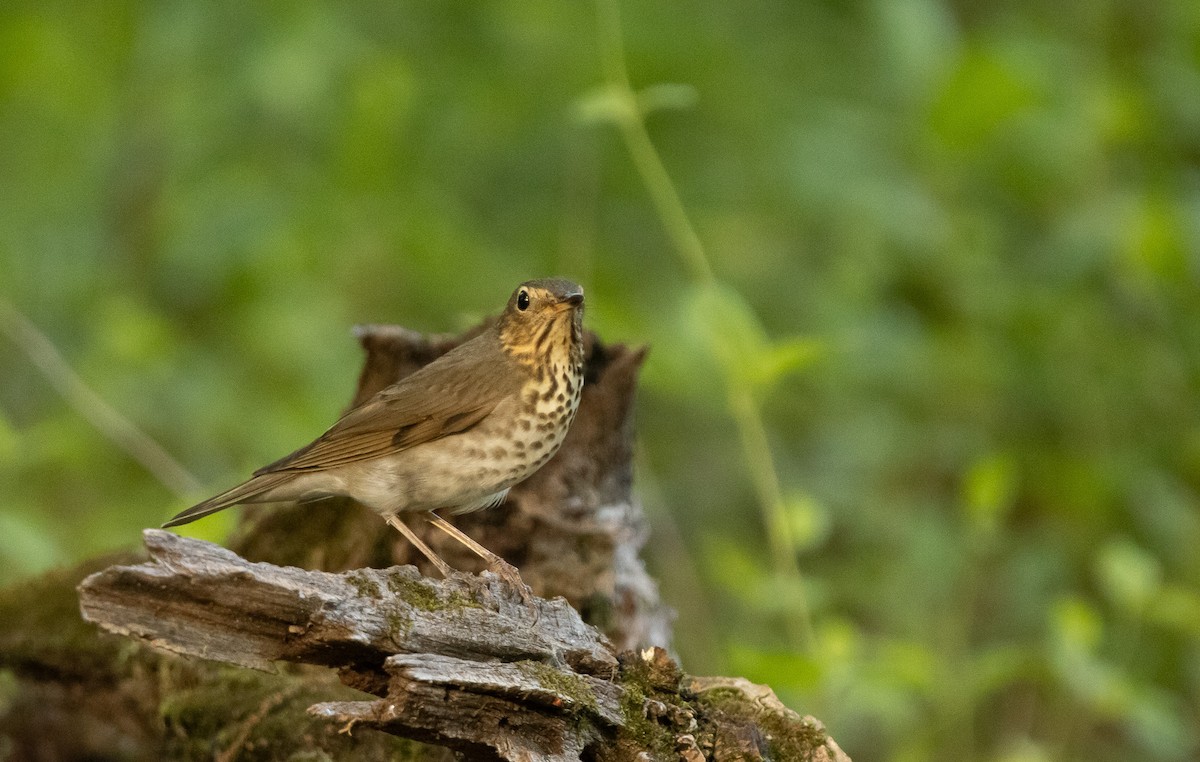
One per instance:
(523, 301)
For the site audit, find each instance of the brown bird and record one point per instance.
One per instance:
(456, 435)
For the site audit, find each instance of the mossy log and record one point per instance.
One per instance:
(462, 662)
(70, 691)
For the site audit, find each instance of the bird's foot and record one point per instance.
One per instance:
(507, 572)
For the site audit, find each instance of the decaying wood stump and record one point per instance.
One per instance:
(461, 663)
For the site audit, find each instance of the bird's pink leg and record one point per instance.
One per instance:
(503, 569)
(441, 565)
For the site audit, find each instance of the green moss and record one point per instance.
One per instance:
(42, 630)
(562, 683)
(398, 622)
(190, 714)
(264, 716)
(637, 680)
(365, 586)
(793, 739)
(658, 675)
(643, 731)
(414, 592)
(788, 739)
(424, 596)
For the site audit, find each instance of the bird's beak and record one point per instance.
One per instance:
(574, 299)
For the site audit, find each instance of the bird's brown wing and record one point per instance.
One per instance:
(448, 396)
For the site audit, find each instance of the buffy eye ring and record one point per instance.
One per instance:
(523, 300)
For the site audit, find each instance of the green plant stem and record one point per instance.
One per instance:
(666, 198)
(641, 149)
(104, 417)
(688, 246)
(770, 498)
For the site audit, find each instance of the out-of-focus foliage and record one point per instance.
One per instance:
(960, 243)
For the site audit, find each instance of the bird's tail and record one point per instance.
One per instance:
(246, 492)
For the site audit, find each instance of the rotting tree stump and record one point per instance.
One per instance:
(460, 663)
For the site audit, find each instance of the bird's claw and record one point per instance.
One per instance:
(507, 572)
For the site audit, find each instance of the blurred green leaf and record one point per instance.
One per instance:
(606, 105)
(988, 491)
(808, 521)
(613, 105)
(666, 96)
(1162, 725)
(997, 668)
(1025, 750)
(1128, 575)
(25, 546)
(727, 325)
(741, 570)
(1077, 627)
(783, 359)
(129, 332)
(1176, 607)
(839, 642)
(784, 670)
(10, 444)
(982, 96)
(1155, 245)
(910, 665)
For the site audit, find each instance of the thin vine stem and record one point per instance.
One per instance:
(770, 499)
(641, 149)
(119, 430)
(742, 405)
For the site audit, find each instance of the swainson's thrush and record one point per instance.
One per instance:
(455, 435)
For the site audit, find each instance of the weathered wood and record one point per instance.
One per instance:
(200, 599)
(444, 654)
(461, 662)
(511, 710)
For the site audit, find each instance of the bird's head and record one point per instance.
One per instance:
(542, 316)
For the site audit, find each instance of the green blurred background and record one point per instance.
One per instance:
(957, 246)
